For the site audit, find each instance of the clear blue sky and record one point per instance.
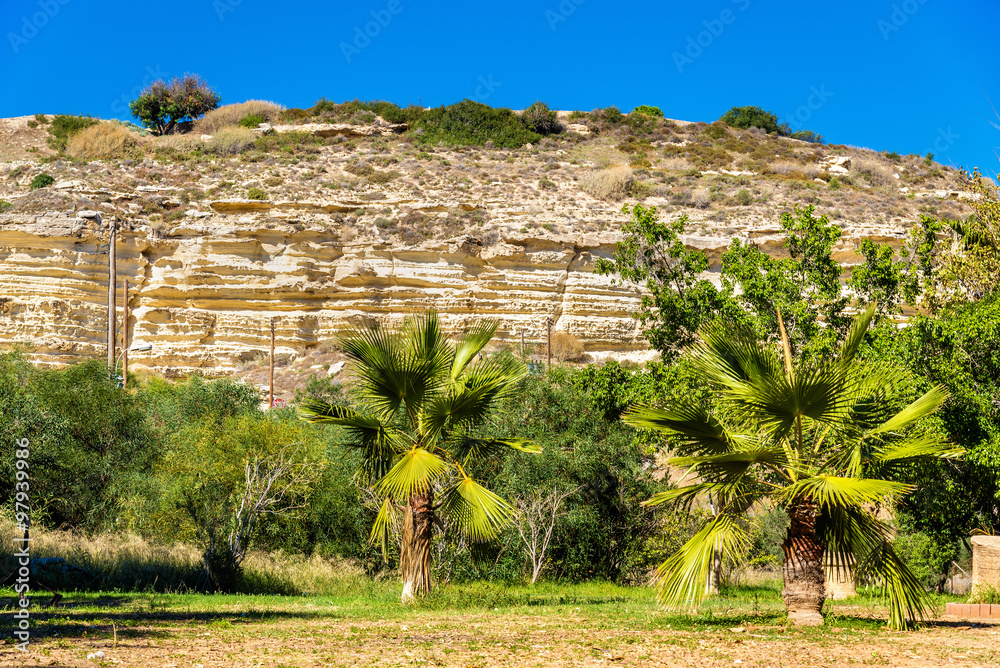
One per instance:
(910, 76)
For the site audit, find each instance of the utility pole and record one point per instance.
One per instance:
(270, 399)
(112, 282)
(125, 334)
(548, 342)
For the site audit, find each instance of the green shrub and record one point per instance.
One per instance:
(538, 118)
(252, 120)
(161, 106)
(257, 194)
(4, 205)
(928, 559)
(41, 119)
(743, 198)
(833, 183)
(576, 115)
(809, 136)
(41, 181)
(716, 131)
(546, 184)
(62, 127)
(648, 110)
(751, 117)
(471, 123)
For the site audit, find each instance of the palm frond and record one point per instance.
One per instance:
(467, 448)
(472, 341)
(856, 335)
(385, 527)
(837, 492)
(379, 444)
(922, 407)
(730, 465)
(468, 402)
(683, 577)
(476, 511)
(732, 356)
(698, 431)
(917, 447)
(414, 472)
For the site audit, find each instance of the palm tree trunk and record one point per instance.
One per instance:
(803, 567)
(415, 548)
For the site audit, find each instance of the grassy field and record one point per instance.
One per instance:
(479, 625)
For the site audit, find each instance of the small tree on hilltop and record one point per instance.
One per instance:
(161, 106)
(751, 117)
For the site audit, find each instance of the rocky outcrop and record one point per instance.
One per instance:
(203, 294)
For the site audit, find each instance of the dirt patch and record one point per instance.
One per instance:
(564, 638)
(16, 137)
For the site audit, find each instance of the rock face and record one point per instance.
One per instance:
(985, 564)
(203, 295)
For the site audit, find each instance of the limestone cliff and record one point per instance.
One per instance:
(387, 228)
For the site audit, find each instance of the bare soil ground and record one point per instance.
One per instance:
(308, 635)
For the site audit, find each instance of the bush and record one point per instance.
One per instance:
(743, 198)
(471, 123)
(357, 111)
(613, 183)
(648, 110)
(809, 136)
(106, 141)
(873, 171)
(41, 181)
(161, 106)
(256, 193)
(232, 115)
(751, 117)
(63, 127)
(232, 140)
(538, 118)
(252, 121)
(4, 205)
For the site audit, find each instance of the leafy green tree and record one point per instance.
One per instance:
(751, 117)
(421, 399)
(676, 300)
(89, 441)
(820, 440)
(221, 479)
(161, 106)
(805, 287)
(539, 118)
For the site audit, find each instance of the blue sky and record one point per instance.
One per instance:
(912, 76)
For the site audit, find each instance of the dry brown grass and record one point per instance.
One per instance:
(612, 183)
(676, 164)
(701, 198)
(230, 115)
(875, 171)
(567, 347)
(232, 140)
(107, 141)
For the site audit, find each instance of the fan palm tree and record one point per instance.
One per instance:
(420, 399)
(820, 441)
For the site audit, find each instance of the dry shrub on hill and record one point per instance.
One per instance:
(106, 141)
(567, 347)
(792, 168)
(612, 183)
(676, 164)
(231, 115)
(874, 171)
(232, 140)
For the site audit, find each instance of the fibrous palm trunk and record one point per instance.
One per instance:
(803, 567)
(415, 548)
